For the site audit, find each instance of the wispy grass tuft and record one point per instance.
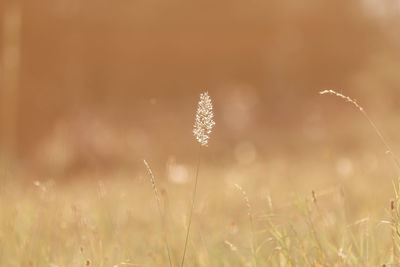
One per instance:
(371, 122)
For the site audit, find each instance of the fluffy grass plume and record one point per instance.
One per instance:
(204, 120)
(202, 129)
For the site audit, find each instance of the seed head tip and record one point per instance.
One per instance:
(204, 120)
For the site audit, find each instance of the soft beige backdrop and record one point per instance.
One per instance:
(104, 84)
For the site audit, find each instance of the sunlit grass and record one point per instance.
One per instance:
(116, 222)
(287, 211)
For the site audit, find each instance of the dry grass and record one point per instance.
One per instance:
(51, 225)
(292, 213)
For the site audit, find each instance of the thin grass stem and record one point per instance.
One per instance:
(162, 216)
(251, 220)
(191, 207)
(371, 122)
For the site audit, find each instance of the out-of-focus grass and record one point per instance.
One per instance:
(346, 222)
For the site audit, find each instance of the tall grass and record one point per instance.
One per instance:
(251, 221)
(371, 122)
(317, 229)
(160, 211)
(202, 129)
(394, 206)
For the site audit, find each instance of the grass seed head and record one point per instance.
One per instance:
(204, 120)
(346, 98)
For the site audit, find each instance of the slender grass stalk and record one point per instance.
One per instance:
(393, 232)
(314, 232)
(162, 215)
(191, 207)
(201, 130)
(389, 151)
(371, 122)
(395, 217)
(251, 220)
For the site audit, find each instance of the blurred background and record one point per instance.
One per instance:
(96, 86)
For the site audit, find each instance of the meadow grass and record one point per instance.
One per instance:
(56, 225)
(295, 213)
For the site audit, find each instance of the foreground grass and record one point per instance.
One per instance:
(300, 217)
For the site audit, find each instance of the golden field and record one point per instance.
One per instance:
(290, 210)
(91, 90)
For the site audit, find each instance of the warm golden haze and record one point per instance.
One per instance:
(204, 133)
